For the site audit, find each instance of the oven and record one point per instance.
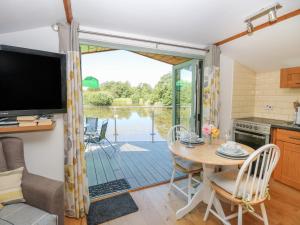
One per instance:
(252, 134)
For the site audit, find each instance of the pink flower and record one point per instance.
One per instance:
(206, 129)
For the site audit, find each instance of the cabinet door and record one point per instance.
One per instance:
(290, 164)
(278, 170)
(290, 78)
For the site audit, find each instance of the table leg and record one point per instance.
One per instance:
(202, 194)
(208, 170)
(196, 199)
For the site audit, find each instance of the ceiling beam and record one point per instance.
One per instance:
(261, 26)
(68, 11)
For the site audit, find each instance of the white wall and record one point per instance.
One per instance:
(226, 80)
(44, 151)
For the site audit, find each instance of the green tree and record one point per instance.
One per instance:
(97, 98)
(118, 89)
(142, 92)
(162, 92)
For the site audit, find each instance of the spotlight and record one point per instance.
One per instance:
(250, 27)
(272, 15)
(54, 27)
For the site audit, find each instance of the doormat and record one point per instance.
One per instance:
(108, 188)
(111, 208)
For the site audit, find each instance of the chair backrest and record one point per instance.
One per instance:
(11, 154)
(92, 124)
(254, 175)
(103, 130)
(174, 134)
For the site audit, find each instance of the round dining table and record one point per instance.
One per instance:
(206, 155)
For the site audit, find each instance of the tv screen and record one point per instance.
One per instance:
(31, 82)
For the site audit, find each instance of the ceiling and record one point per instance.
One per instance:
(269, 49)
(199, 22)
(194, 22)
(18, 15)
(173, 60)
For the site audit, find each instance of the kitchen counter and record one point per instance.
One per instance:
(288, 125)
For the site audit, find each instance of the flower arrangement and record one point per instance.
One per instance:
(210, 131)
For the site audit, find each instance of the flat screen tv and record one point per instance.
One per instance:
(32, 82)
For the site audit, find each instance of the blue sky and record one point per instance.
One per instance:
(122, 65)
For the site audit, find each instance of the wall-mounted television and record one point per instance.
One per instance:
(32, 82)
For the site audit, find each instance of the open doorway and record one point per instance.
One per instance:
(132, 99)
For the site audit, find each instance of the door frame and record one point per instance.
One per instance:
(193, 56)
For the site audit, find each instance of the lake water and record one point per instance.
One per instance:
(134, 123)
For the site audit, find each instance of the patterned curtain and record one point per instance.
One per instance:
(76, 186)
(211, 89)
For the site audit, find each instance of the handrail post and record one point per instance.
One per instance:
(115, 125)
(152, 127)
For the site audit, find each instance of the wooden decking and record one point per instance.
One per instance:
(141, 163)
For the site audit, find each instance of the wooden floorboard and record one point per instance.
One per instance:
(91, 173)
(108, 170)
(141, 163)
(100, 174)
(156, 207)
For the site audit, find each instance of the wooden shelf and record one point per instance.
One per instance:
(17, 129)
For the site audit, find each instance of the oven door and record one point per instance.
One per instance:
(253, 140)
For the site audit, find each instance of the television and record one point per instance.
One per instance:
(32, 82)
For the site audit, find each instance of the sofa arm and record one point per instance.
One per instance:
(45, 194)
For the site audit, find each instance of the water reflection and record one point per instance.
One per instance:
(135, 123)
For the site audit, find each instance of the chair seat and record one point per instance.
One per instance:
(227, 180)
(23, 214)
(187, 166)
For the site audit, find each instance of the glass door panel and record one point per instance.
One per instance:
(184, 96)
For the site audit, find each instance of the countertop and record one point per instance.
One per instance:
(288, 125)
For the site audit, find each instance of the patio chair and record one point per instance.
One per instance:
(182, 165)
(99, 138)
(90, 129)
(243, 188)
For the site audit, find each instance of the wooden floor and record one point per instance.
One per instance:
(141, 163)
(156, 207)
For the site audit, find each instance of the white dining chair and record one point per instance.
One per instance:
(182, 165)
(247, 186)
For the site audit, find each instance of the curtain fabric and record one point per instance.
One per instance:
(76, 186)
(211, 89)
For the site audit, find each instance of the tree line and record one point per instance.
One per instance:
(117, 92)
(122, 93)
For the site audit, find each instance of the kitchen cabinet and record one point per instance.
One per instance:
(290, 77)
(288, 168)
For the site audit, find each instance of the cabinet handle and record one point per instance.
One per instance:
(295, 138)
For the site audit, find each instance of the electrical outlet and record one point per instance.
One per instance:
(268, 107)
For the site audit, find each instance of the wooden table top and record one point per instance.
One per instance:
(206, 153)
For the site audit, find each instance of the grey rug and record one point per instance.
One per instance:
(111, 208)
(108, 188)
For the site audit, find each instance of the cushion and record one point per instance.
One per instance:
(227, 180)
(10, 186)
(3, 166)
(23, 214)
(187, 164)
(14, 153)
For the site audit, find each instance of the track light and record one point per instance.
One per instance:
(250, 27)
(271, 11)
(272, 15)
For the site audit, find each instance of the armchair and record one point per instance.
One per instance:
(42, 193)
